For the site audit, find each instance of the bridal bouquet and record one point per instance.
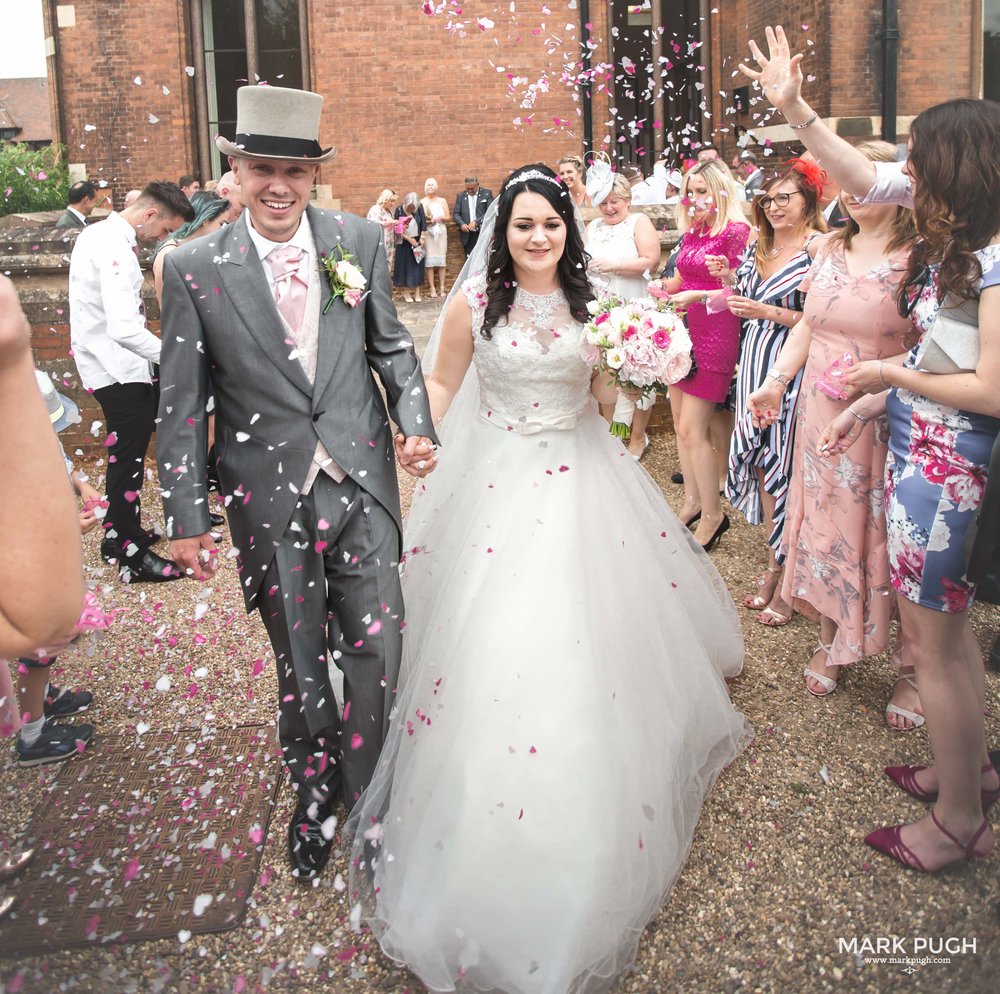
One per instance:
(642, 344)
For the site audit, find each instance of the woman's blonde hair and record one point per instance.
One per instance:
(572, 160)
(621, 188)
(903, 231)
(385, 196)
(726, 194)
(430, 181)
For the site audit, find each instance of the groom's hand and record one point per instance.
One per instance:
(196, 556)
(417, 454)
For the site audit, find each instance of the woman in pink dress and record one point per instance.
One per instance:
(715, 230)
(834, 541)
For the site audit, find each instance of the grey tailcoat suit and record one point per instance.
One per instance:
(322, 569)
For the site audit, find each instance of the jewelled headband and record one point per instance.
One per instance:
(533, 174)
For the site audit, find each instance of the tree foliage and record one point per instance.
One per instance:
(32, 180)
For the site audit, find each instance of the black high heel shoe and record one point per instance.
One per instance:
(692, 521)
(718, 533)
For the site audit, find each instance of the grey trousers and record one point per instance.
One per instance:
(334, 585)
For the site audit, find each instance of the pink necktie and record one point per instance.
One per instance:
(290, 286)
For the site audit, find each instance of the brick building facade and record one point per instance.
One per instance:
(139, 89)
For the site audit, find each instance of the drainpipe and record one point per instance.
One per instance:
(588, 86)
(889, 36)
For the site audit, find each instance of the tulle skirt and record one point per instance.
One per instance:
(561, 718)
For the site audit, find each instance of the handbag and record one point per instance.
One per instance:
(419, 253)
(951, 344)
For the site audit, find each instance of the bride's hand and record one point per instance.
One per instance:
(417, 455)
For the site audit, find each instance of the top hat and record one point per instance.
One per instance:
(276, 122)
(62, 411)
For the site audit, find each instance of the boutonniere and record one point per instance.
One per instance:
(346, 280)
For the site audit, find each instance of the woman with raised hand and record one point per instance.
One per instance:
(530, 516)
(942, 427)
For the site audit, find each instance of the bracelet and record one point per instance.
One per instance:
(860, 417)
(705, 299)
(804, 124)
(881, 375)
(776, 374)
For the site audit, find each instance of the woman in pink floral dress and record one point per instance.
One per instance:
(834, 540)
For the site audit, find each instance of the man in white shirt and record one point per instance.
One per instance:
(115, 352)
(746, 168)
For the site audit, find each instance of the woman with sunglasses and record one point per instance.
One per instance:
(768, 301)
(942, 429)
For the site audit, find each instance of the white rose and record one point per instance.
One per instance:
(614, 358)
(594, 307)
(349, 275)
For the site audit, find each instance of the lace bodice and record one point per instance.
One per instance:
(530, 379)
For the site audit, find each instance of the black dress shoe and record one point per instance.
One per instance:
(308, 846)
(217, 520)
(148, 567)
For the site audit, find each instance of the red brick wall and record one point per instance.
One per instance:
(935, 53)
(406, 100)
(114, 43)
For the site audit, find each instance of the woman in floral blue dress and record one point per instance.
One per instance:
(942, 430)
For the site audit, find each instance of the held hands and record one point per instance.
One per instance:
(417, 455)
(765, 404)
(840, 434)
(197, 556)
(780, 75)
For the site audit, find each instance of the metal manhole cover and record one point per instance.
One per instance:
(146, 836)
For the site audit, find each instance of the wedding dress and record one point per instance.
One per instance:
(563, 712)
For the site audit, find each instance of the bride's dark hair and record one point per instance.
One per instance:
(535, 177)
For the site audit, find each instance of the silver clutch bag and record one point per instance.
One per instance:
(951, 344)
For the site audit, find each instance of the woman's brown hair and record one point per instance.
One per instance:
(903, 231)
(810, 184)
(955, 163)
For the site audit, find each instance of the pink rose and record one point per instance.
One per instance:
(602, 317)
(661, 339)
(630, 332)
(678, 366)
(590, 354)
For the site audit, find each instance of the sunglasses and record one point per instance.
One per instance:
(779, 200)
(911, 291)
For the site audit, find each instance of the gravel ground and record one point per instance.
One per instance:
(778, 873)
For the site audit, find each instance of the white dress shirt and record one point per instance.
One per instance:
(111, 343)
(307, 338)
(473, 201)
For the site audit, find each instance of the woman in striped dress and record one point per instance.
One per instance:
(768, 302)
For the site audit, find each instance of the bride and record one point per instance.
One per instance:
(551, 745)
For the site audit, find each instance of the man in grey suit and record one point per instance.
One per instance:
(468, 213)
(303, 443)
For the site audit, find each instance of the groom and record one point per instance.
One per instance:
(289, 352)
